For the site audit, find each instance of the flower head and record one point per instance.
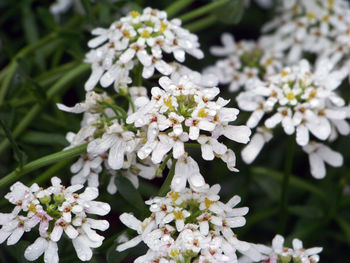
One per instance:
(182, 112)
(138, 38)
(57, 210)
(302, 101)
(189, 226)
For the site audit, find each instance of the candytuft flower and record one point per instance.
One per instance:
(190, 226)
(138, 39)
(56, 210)
(302, 102)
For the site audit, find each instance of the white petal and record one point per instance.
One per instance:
(116, 155)
(56, 233)
(302, 136)
(15, 236)
(331, 157)
(317, 166)
(239, 134)
(251, 151)
(51, 253)
(35, 250)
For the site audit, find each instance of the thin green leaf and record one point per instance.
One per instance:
(46, 18)
(230, 13)
(294, 181)
(20, 156)
(130, 193)
(345, 226)
(44, 138)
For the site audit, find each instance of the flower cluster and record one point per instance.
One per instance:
(317, 27)
(138, 39)
(180, 112)
(190, 226)
(244, 64)
(279, 253)
(110, 142)
(56, 209)
(302, 102)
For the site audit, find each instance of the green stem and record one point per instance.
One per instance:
(201, 23)
(202, 10)
(50, 172)
(177, 6)
(162, 166)
(33, 112)
(165, 188)
(41, 162)
(288, 164)
(10, 71)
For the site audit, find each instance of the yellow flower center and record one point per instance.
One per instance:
(145, 34)
(134, 14)
(208, 203)
(290, 96)
(202, 113)
(178, 215)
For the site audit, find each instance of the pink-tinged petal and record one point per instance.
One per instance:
(56, 233)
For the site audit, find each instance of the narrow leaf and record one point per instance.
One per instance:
(19, 155)
(130, 193)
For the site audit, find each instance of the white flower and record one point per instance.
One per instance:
(63, 209)
(319, 154)
(138, 38)
(303, 102)
(309, 26)
(183, 106)
(190, 221)
(279, 253)
(42, 245)
(245, 63)
(187, 169)
(252, 150)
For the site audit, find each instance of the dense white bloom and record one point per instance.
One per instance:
(182, 112)
(303, 103)
(190, 226)
(138, 38)
(244, 64)
(318, 27)
(57, 210)
(279, 253)
(111, 145)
